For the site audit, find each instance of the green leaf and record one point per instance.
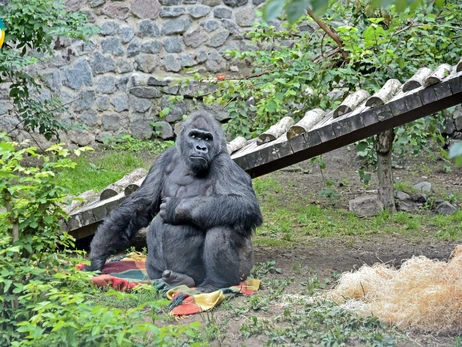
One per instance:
(272, 9)
(271, 106)
(295, 9)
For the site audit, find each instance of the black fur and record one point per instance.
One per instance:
(206, 211)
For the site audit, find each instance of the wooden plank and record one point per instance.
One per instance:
(442, 90)
(242, 162)
(368, 117)
(326, 133)
(456, 84)
(383, 112)
(428, 95)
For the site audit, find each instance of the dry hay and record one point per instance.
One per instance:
(423, 295)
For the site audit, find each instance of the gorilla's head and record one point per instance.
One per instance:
(200, 141)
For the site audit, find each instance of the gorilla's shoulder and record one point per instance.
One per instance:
(225, 164)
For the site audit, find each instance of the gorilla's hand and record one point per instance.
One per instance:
(96, 265)
(169, 212)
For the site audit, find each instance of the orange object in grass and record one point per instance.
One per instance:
(221, 77)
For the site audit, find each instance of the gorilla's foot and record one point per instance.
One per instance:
(175, 279)
(207, 288)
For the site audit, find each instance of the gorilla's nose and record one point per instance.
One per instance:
(201, 149)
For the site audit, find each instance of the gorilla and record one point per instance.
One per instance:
(201, 208)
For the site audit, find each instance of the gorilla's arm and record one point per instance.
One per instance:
(134, 213)
(233, 202)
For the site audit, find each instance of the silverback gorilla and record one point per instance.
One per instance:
(205, 210)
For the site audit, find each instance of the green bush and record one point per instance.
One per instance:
(44, 299)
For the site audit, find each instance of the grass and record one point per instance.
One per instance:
(97, 172)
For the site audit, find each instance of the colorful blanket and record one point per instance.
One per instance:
(127, 273)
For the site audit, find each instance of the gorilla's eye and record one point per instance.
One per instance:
(193, 136)
(208, 138)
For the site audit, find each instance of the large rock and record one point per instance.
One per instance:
(102, 64)
(177, 110)
(146, 92)
(110, 121)
(235, 3)
(175, 26)
(198, 11)
(172, 12)
(140, 105)
(145, 8)
(222, 12)
(116, 11)
(211, 2)
(366, 206)
(423, 187)
(146, 62)
(163, 130)
(124, 66)
(126, 34)
(215, 62)
(77, 76)
(173, 44)
(210, 25)
(402, 196)
(172, 63)
(109, 28)
(245, 17)
(445, 208)
(53, 80)
(407, 206)
(85, 100)
(102, 103)
(187, 60)
(96, 3)
(112, 45)
(151, 47)
(106, 85)
(218, 38)
(120, 103)
(81, 138)
(148, 29)
(195, 37)
(89, 118)
(141, 129)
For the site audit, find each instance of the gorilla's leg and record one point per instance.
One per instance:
(228, 259)
(155, 263)
(175, 279)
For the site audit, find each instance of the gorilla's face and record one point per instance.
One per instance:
(200, 149)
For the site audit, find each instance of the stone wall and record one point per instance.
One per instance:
(121, 80)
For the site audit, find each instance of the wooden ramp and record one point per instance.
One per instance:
(422, 95)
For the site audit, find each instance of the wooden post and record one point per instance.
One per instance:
(383, 146)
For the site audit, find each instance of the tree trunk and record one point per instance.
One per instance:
(383, 146)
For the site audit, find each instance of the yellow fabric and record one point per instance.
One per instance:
(253, 284)
(2, 37)
(135, 256)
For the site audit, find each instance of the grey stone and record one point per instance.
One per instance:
(106, 85)
(445, 208)
(145, 8)
(140, 105)
(211, 2)
(173, 44)
(5, 107)
(145, 92)
(337, 94)
(85, 100)
(458, 123)
(457, 135)
(222, 12)
(170, 2)
(73, 5)
(218, 38)
(366, 206)
(210, 25)
(419, 197)
(126, 34)
(152, 81)
(177, 109)
(198, 11)
(8, 123)
(90, 16)
(80, 47)
(134, 48)
(407, 206)
(163, 130)
(402, 195)
(120, 103)
(172, 63)
(195, 88)
(232, 27)
(190, 2)
(175, 26)
(235, 3)
(448, 127)
(124, 66)
(89, 118)
(110, 121)
(121, 83)
(194, 37)
(116, 11)
(146, 62)
(109, 28)
(53, 80)
(141, 129)
(258, 2)
(96, 3)
(423, 187)
(148, 29)
(171, 12)
(152, 47)
(78, 75)
(187, 60)
(112, 45)
(245, 17)
(171, 90)
(81, 138)
(102, 64)
(201, 55)
(102, 136)
(102, 103)
(215, 62)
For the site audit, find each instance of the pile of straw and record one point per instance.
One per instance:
(423, 295)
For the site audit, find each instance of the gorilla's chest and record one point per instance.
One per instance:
(184, 185)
